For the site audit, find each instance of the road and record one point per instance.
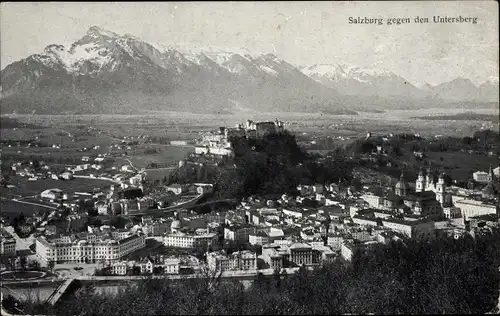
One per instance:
(241, 275)
(36, 204)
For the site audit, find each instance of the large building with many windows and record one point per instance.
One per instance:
(87, 248)
(7, 244)
(240, 260)
(199, 241)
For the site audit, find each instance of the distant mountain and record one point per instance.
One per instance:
(457, 90)
(353, 80)
(104, 72)
(489, 90)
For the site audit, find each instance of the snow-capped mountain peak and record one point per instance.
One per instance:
(355, 80)
(97, 32)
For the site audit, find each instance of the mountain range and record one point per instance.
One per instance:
(104, 72)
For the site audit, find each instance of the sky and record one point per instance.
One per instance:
(302, 33)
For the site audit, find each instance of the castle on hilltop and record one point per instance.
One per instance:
(218, 143)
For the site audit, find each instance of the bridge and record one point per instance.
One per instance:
(59, 291)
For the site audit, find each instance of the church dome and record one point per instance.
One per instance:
(402, 185)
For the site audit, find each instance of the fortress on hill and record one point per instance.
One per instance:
(218, 143)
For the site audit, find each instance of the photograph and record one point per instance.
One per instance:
(249, 158)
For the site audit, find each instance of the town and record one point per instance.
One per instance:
(149, 226)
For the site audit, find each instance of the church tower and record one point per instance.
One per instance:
(441, 189)
(421, 183)
(429, 181)
(401, 186)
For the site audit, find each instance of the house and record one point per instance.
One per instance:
(177, 188)
(127, 168)
(482, 177)
(147, 265)
(119, 268)
(240, 260)
(67, 175)
(51, 194)
(203, 188)
(239, 233)
(102, 208)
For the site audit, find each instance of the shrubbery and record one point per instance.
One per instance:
(408, 277)
(275, 164)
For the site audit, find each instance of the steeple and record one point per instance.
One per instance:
(421, 183)
(401, 186)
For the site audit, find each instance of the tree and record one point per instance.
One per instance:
(34, 265)
(22, 262)
(50, 265)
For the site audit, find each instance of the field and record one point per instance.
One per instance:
(10, 208)
(460, 166)
(186, 126)
(144, 139)
(30, 188)
(25, 188)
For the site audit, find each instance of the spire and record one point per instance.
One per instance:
(421, 172)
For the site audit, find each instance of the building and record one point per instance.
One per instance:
(259, 238)
(102, 208)
(239, 233)
(482, 177)
(298, 212)
(67, 175)
(189, 240)
(7, 244)
(374, 201)
(177, 189)
(127, 168)
(155, 228)
(452, 212)
(402, 186)
(410, 228)
(167, 265)
(119, 268)
(87, 248)
(303, 254)
(240, 260)
(286, 253)
(349, 248)
(273, 256)
(335, 241)
(472, 208)
(327, 254)
(203, 188)
(51, 194)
